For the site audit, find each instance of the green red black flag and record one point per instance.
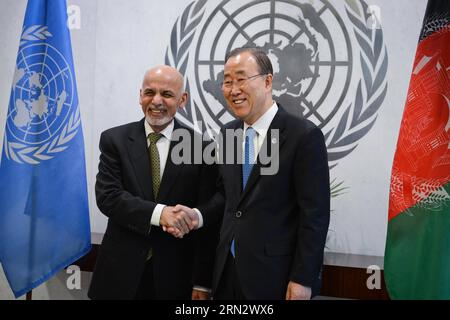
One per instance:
(417, 256)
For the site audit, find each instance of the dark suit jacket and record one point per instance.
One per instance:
(279, 222)
(124, 194)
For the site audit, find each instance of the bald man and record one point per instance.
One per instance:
(138, 186)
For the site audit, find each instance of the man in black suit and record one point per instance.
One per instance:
(276, 217)
(138, 185)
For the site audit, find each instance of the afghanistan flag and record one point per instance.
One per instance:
(417, 256)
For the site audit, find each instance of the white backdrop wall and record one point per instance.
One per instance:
(119, 39)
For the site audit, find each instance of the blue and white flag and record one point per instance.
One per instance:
(44, 214)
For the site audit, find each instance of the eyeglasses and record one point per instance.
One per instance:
(228, 84)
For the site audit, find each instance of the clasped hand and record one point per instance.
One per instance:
(178, 220)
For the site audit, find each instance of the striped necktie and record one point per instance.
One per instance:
(249, 155)
(154, 159)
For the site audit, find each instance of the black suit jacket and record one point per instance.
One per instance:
(279, 222)
(124, 194)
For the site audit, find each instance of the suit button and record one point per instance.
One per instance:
(238, 214)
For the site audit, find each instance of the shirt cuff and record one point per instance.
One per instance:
(156, 215)
(202, 289)
(200, 219)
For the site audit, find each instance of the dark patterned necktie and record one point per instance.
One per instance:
(154, 160)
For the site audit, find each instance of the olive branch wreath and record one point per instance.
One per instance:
(36, 32)
(177, 55)
(360, 116)
(428, 194)
(23, 153)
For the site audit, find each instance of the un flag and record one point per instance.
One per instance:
(44, 215)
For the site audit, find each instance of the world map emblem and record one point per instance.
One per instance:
(42, 113)
(329, 60)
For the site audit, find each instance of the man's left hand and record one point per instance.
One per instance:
(296, 291)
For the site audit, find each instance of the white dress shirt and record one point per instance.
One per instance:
(163, 145)
(261, 126)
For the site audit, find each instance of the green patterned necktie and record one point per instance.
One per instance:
(154, 160)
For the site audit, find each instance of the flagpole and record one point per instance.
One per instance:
(29, 295)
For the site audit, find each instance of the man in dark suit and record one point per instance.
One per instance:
(137, 188)
(275, 221)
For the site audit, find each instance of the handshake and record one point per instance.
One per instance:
(179, 220)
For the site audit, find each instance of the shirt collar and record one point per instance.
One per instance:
(166, 132)
(262, 125)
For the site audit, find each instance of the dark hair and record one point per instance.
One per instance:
(263, 61)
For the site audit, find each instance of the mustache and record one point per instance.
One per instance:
(159, 107)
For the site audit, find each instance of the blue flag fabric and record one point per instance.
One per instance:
(44, 213)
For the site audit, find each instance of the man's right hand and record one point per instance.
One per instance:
(179, 222)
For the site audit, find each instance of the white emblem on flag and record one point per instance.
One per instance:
(41, 116)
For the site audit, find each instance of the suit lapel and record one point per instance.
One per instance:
(236, 167)
(269, 143)
(140, 159)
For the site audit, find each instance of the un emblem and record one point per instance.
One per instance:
(42, 117)
(330, 63)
